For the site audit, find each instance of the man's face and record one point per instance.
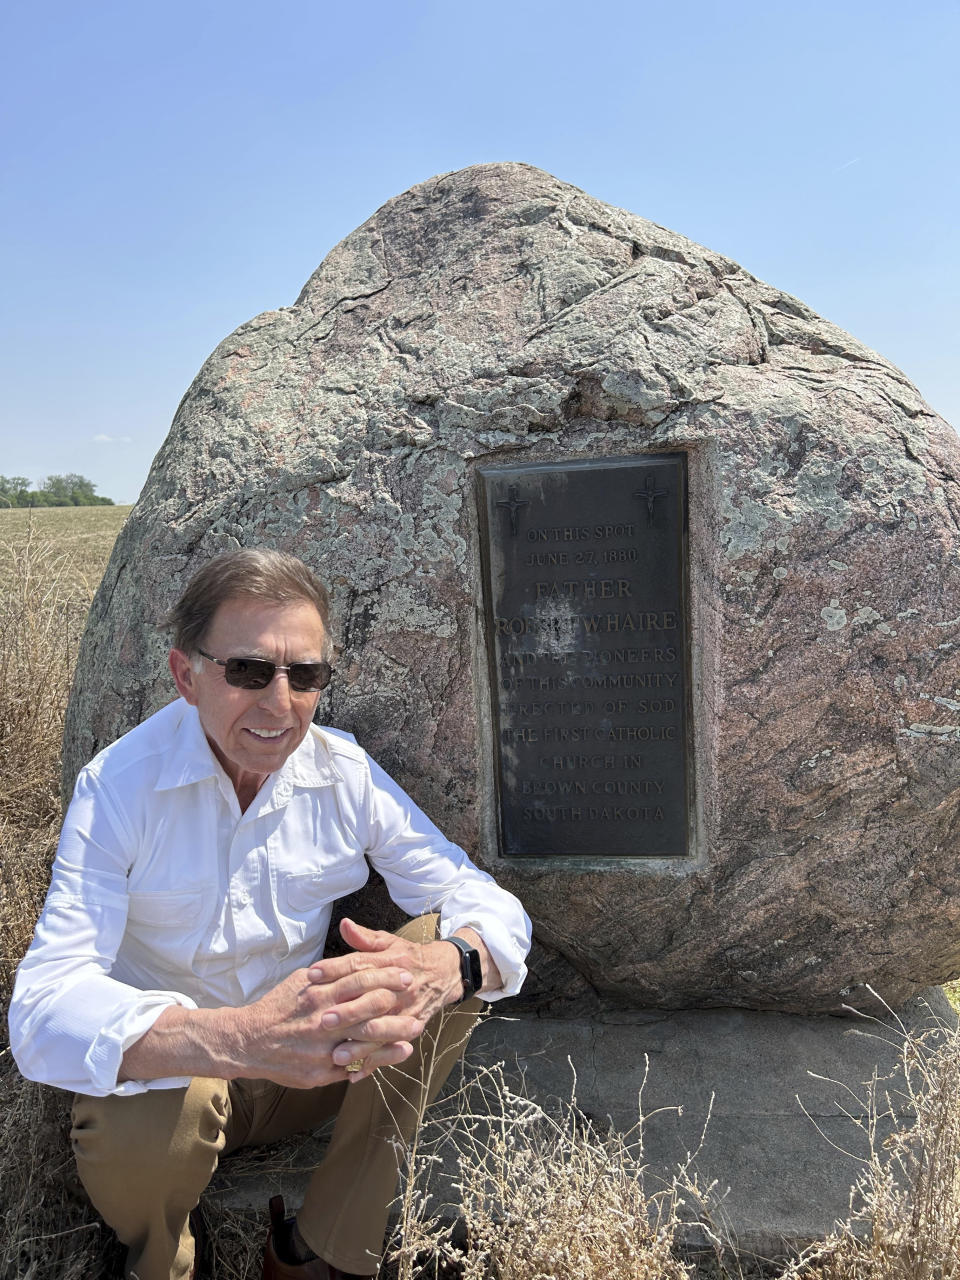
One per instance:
(253, 731)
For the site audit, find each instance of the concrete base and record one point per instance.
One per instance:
(778, 1144)
(777, 1134)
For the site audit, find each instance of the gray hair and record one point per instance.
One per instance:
(252, 572)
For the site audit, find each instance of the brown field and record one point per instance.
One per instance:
(51, 560)
(569, 1202)
(83, 536)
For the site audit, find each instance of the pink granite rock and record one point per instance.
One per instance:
(499, 315)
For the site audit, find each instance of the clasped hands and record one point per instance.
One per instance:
(367, 1006)
(429, 976)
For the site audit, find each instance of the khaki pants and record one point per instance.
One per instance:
(146, 1158)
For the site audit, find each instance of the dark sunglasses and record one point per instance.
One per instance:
(256, 673)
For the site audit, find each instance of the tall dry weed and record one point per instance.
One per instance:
(905, 1206)
(540, 1195)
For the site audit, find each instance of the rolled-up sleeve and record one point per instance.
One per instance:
(70, 1021)
(424, 871)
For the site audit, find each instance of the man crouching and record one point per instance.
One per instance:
(174, 981)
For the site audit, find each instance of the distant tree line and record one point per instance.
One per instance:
(53, 491)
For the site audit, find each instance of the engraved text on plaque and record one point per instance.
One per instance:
(584, 584)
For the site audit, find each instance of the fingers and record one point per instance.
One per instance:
(337, 967)
(362, 998)
(433, 975)
(387, 1028)
(354, 1051)
(371, 1055)
(361, 982)
(290, 1034)
(363, 939)
(366, 1019)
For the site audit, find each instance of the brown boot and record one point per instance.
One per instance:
(274, 1268)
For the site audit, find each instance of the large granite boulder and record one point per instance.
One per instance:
(498, 314)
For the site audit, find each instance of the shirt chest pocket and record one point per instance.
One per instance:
(158, 911)
(304, 899)
(304, 892)
(164, 928)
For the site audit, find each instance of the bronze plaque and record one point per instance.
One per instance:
(585, 597)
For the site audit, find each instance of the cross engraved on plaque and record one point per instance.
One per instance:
(649, 494)
(513, 505)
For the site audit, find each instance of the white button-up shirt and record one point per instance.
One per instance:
(164, 893)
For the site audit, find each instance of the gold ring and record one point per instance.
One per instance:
(354, 1066)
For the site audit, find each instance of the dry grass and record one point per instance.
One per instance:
(49, 569)
(540, 1195)
(543, 1195)
(905, 1206)
(50, 563)
(547, 1197)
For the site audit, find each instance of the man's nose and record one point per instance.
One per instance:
(276, 695)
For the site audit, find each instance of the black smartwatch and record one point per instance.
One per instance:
(471, 971)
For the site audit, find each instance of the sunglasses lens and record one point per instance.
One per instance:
(309, 676)
(249, 673)
(256, 673)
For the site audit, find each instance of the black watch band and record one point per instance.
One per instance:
(471, 971)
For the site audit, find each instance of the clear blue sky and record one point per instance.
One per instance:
(172, 169)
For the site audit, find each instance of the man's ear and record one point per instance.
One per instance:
(184, 676)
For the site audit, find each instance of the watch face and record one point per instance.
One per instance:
(472, 972)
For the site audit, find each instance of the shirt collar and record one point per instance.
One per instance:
(189, 759)
(312, 765)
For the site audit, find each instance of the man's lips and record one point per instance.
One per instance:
(267, 735)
